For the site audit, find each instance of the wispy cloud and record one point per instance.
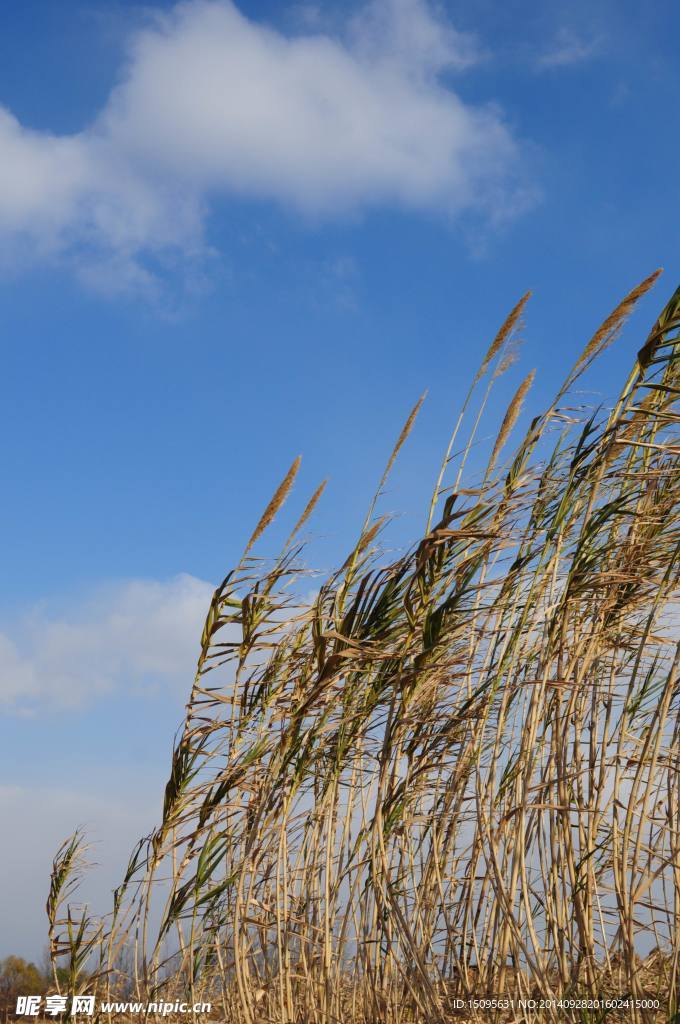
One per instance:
(211, 104)
(568, 48)
(132, 637)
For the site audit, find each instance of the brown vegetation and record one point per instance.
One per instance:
(450, 775)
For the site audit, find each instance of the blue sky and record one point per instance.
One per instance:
(231, 235)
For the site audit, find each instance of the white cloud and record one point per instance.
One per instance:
(138, 636)
(568, 48)
(407, 34)
(212, 104)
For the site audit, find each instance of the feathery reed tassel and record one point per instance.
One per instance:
(406, 430)
(275, 504)
(510, 418)
(309, 508)
(504, 332)
(608, 331)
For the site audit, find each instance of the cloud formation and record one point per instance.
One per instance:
(566, 49)
(138, 636)
(211, 104)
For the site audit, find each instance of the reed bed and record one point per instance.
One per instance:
(444, 776)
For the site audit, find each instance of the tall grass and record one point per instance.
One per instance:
(451, 774)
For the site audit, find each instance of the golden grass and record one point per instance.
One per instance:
(452, 775)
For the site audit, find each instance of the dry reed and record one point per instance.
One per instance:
(453, 775)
